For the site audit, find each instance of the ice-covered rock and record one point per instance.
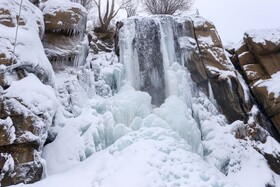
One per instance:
(27, 106)
(65, 41)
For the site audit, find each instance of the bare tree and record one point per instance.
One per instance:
(85, 3)
(111, 11)
(131, 7)
(167, 6)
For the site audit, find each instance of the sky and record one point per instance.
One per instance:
(233, 17)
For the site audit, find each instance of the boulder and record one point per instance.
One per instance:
(246, 58)
(64, 41)
(270, 63)
(263, 42)
(254, 72)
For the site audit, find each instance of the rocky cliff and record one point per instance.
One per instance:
(257, 58)
(190, 90)
(27, 101)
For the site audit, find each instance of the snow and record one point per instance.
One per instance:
(34, 95)
(261, 36)
(52, 6)
(271, 84)
(8, 165)
(157, 152)
(29, 51)
(7, 126)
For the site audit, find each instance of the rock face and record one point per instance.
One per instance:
(26, 112)
(26, 104)
(29, 53)
(211, 64)
(258, 58)
(64, 41)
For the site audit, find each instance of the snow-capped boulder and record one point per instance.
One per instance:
(64, 17)
(64, 40)
(259, 60)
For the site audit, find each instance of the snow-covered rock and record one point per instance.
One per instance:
(65, 41)
(27, 106)
(29, 52)
(27, 111)
(258, 56)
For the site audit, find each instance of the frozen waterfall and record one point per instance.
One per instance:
(154, 52)
(158, 130)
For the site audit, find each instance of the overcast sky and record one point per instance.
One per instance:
(233, 17)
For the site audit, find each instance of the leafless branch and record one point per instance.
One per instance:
(110, 12)
(167, 6)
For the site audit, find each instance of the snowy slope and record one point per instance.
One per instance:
(151, 151)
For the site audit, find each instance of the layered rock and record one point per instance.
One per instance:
(26, 104)
(27, 110)
(27, 53)
(64, 40)
(211, 64)
(258, 57)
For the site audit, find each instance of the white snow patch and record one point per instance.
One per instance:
(272, 84)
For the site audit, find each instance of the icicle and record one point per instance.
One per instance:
(211, 94)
